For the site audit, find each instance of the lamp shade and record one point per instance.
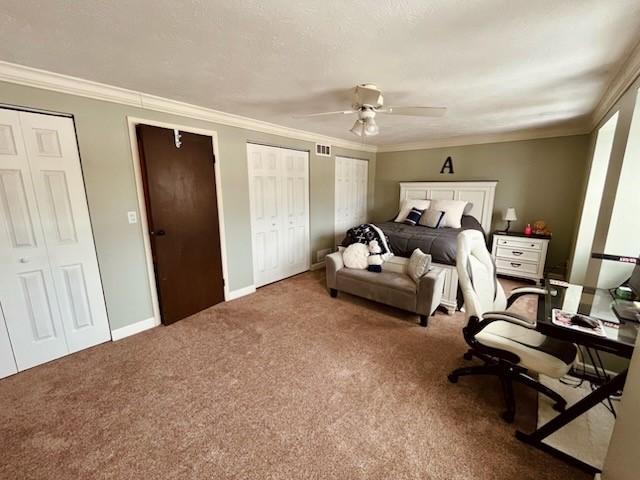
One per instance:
(358, 128)
(510, 214)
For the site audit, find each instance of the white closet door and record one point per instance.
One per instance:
(7, 362)
(351, 194)
(266, 221)
(57, 178)
(295, 178)
(279, 199)
(27, 291)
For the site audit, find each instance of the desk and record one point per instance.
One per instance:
(619, 341)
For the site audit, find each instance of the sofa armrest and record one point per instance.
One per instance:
(430, 289)
(333, 263)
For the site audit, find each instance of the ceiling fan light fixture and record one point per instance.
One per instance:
(371, 127)
(358, 128)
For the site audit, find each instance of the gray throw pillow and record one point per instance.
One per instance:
(419, 264)
(431, 218)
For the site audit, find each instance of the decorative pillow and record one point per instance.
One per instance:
(419, 264)
(413, 217)
(431, 218)
(408, 204)
(452, 212)
(356, 256)
(467, 208)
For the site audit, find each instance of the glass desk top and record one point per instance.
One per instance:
(596, 302)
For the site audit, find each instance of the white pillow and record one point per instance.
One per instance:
(452, 212)
(408, 204)
(356, 255)
(419, 264)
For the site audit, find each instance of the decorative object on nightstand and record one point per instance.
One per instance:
(540, 227)
(519, 255)
(510, 216)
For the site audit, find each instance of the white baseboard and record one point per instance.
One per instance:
(241, 292)
(317, 266)
(579, 365)
(141, 326)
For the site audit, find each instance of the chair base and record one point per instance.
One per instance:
(507, 373)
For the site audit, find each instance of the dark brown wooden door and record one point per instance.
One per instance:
(182, 211)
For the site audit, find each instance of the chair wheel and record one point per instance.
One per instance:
(452, 378)
(508, 416)
(560, 407)
(468, 356)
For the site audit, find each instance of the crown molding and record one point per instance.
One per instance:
(627, 73)
(33, 77)
(465, 140)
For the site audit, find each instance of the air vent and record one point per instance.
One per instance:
(323, 150)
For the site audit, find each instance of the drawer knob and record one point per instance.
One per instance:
(516, 265)
(516, 252)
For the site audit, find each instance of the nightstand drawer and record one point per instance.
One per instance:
(516, 266)
(520, 243)
(518, 254)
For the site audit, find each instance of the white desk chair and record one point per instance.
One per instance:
(506, 342)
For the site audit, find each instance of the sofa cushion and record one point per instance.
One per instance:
(396, 289)
(396, 281)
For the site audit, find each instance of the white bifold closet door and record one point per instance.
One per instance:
(279, 198)
(352, 177)
(50, 289)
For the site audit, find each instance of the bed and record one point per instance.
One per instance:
(441, 242)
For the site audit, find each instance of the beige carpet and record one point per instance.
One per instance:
(287, 383)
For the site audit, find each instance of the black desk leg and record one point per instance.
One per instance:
(574, 411)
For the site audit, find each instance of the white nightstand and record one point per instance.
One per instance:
(519, 255)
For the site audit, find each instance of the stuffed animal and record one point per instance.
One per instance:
(356, 256)
(541, 228)
(375, 258)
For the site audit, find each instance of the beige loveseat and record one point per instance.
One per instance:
(392, 286)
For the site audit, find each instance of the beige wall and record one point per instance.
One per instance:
(541, 178)
(103, 139)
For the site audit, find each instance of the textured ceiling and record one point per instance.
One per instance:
(499, 66)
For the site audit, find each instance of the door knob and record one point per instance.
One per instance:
(159, 233)
(24, 260)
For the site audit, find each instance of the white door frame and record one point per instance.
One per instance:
(335, 191)
(142, 206)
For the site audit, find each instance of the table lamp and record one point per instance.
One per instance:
(510, 216)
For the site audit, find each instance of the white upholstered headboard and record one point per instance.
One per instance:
(481, 194)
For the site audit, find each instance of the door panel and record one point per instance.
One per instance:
(27, 293)
(278, 180)
(16, 209)
(182, 210)
(351, 194)
(59, 189)
(295, 179)
(265, 214)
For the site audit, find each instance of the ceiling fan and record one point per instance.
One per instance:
(367, 102)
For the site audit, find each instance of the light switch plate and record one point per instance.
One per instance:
(132, 217)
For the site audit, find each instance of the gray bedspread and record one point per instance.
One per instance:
(439, 242)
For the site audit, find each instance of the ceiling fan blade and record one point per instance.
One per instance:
(340, 112)
(415, 111)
